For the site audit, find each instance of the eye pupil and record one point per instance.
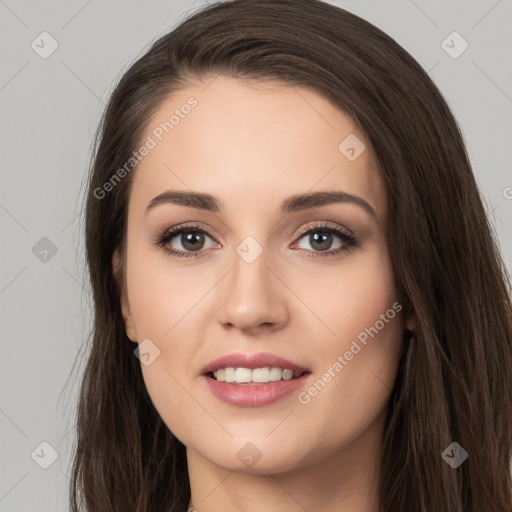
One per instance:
(314, 237)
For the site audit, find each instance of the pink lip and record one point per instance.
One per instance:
(255, 395)
(252, 361)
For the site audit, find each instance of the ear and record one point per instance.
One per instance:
(407, 311)
(410, 321)
(117, 267)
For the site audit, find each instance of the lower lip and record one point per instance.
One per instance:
(256, 395)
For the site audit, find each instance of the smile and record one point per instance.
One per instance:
(254, 376)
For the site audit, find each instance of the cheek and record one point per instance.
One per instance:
(356, 331)
(165, 306)
(352, 390)
(161, 294)
(341, 300)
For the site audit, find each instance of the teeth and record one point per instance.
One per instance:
(258, 375)
(261, 375)
(275, 374)
(243, 375)
(229, 375)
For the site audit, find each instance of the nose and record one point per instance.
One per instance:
(252, 297)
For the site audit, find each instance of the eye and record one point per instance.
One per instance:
(190, 237)
(321, 238)
(192, 240)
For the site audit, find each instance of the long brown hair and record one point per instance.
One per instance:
(454, 382)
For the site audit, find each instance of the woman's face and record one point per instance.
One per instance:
(325, 301)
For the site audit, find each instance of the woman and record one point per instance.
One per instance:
(231, 367)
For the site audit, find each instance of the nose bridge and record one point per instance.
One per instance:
(250, 295)
(250, 265)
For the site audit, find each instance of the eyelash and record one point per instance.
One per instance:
(349, 240)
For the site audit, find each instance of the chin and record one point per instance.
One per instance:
(254, 457)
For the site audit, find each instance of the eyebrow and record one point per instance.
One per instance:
(207, 202)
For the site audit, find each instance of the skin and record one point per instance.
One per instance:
(252, 146)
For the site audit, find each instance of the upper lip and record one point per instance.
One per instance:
(252, 361)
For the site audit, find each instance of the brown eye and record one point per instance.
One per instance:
(321, 238)
(190, 240)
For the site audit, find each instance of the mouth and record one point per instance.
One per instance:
(253, 379)
(251, 393)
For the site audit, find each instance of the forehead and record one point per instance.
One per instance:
(251, 144)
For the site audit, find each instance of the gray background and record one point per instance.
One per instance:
(49, 111)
